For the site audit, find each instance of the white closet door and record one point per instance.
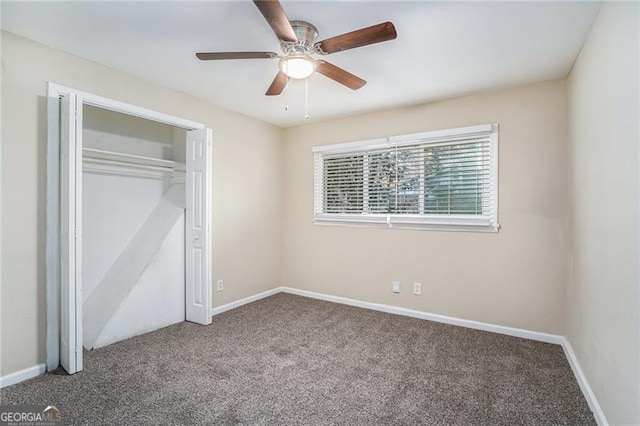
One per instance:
(198, 227)
(70, 237)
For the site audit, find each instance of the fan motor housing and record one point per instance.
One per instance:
(306, 34)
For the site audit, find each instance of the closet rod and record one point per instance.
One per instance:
(99, 154)
(127, 164)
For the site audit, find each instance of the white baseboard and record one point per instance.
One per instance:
(510, 331)
(22, 375)
(598, 414)
(224, 308)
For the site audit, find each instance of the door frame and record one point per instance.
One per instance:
(54, 93)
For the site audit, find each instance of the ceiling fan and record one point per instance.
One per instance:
(298, 43)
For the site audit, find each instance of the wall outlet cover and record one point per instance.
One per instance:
(417, 289)
(395, 286)
(220, 285)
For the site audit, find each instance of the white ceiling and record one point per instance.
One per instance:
(443, 49)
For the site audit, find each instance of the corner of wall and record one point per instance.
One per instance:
(602, 305)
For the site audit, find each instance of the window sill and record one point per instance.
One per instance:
(449, 224)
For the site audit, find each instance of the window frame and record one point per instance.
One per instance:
(450, 222)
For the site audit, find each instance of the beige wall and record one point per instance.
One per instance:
(247, 200)
(602, 291)
(513, 278)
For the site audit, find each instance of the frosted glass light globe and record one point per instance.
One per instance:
(297, 67)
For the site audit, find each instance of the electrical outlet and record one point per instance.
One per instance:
(395, 286)
(417, 289)
(220, 285)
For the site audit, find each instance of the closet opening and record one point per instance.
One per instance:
(133, 206)
(128, 223)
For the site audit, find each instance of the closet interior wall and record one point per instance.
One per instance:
(133, 182)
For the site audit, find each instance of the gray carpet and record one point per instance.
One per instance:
(293, 360)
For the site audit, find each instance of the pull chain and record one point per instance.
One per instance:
(286, 92)
(286, 100)
(306, 99)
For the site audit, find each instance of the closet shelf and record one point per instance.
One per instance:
(138, 161)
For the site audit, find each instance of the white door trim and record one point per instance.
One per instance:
(54, 92)
(70, 295)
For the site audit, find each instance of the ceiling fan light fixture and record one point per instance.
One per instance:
(297, 67)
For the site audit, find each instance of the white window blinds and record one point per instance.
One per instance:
(436, 179)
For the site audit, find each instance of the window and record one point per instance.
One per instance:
(442, 179)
